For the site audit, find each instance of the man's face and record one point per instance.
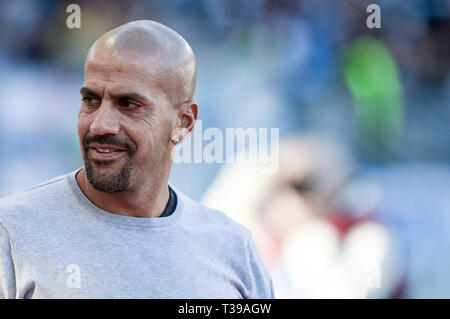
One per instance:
(124, 124)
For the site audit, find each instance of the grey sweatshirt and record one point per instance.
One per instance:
(55, 243)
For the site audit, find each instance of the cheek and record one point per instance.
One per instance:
(83, 126)
(150, 141)
(149, 131)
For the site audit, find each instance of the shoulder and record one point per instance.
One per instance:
(212, 220)
(13, 208)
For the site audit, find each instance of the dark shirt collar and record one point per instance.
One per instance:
(171, 204)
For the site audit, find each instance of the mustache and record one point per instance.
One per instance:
(110, 139)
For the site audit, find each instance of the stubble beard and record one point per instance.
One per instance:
(116, 181)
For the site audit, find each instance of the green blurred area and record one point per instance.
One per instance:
(374, 82)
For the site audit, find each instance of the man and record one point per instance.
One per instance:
(115, 228)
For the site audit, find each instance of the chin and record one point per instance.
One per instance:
(107, 178)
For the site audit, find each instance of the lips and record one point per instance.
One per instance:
(106, 152)
(107, 147)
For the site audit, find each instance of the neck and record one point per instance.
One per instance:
(149, 201)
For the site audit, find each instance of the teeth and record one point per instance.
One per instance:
(103, 150)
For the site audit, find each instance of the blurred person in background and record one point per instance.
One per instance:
(327, 248)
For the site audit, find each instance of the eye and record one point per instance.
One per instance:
(90, 100)
(128, 104)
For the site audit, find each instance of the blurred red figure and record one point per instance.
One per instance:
(317, 241)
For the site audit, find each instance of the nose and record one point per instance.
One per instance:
(106, 120)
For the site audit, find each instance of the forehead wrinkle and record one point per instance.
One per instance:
(118, 72)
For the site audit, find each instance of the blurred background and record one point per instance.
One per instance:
(360, 205)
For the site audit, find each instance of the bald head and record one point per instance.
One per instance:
(152, 48)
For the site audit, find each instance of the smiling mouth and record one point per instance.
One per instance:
(105, 153)
(105, 150)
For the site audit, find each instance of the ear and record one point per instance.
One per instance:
(187, 116)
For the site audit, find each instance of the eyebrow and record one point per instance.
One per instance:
(86, 91)
(130, 95)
